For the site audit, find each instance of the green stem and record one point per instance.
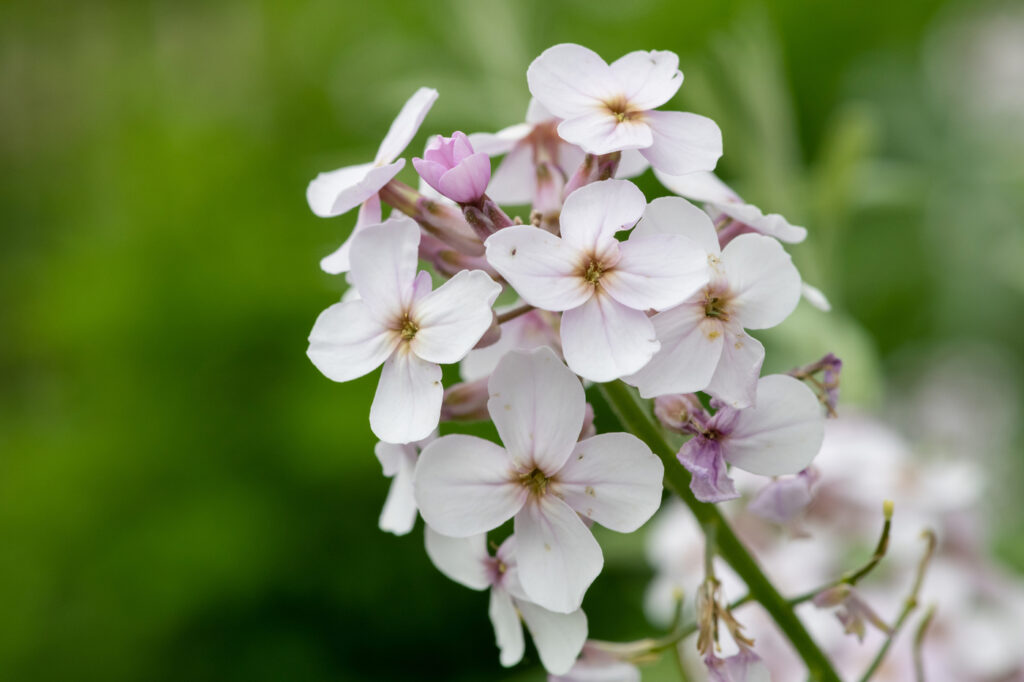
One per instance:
(635, 419)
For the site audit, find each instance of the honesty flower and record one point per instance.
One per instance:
(744, 666)
(604, 286)
(545, 479)
(784, 499)
(596, 665)
(781, 435)
(753, 284)
(399, 463)
(853, 612)
(450, 166)
(559, 637)
(399, 322)
(611, 108)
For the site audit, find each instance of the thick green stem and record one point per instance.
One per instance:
(635, 419)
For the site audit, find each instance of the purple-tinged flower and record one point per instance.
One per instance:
(744, 666)
(399, 463)
(853, 612)
(785, 498)
(450, 166)
(597, 665)
(781, 435)
(559, 637)
(681, 412)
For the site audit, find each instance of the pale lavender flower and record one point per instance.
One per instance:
(451, 167)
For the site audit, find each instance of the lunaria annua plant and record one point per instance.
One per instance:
(599, 287)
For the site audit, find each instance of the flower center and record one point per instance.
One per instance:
(408, 328)
(593, 272)
(619, 108)
(536, 481)
(716, 305)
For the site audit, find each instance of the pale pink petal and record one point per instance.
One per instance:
(466, 485)
(675, 215)
(543, 269)
(407, 404)
(558, 555)
(454, 317)
(601, 132)
(508, 631)
(384, 259)
(515, 180)
(594, 213)
(691, 346)
(735, 379)
(348, 341)
(405, 125)
(559, 637)
(785, 498)
(763, 280)
(613, 479)
(338, 262)
(782, 434)
(703, 186)
(398, 462)
(468, 180)
(772, 224)
(337, 192)
(683, 142)
(631, 164)
(463, 560)
(710, 481)
(570, 157)
(648, 79)
(656, 271)
(604, 340)
(501, 142)
(535, 329)
(569, 80)
(599, 668)
(537, 112)
(537, 406)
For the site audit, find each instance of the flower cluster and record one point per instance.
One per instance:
(596, 284)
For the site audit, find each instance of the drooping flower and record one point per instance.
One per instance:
(451, 167)
(604, 286)
(611, 108)
(559, 637)
(399, 463)
(782, 500)
(852, 611)
(743, 666)
(753, 284)
(781, 435)
(543, 478)
(398, 321)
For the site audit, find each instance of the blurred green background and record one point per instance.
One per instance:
(184, 497)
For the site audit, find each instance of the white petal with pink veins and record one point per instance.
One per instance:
(339, 191)
(691, 346)
(348, 341)
(735, 379)
(405, 125)
(454, 317)
(683, 142)
(601, 132)
(675, 215)
(463, 560)
(508, 631)
(407, 404)
(594, 213)
(763, 280)
(559, 637)
(543, 269)
(570, 80)
(648, 79)
(384, 259)
(656, 271)
(604, 340)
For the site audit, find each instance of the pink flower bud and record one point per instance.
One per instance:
(450, 166)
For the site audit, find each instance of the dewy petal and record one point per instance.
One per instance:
(336, 192)
(347, 341)
(601, 132)
(703, 459)
(772, 224)
(763, 279)
(407, 404)
(406, 124)
(463, 560)
(558, 556)
(703, 186)
(782, 434)
(513, 182)
(595, 212)
(384, 259)
(604, 340)
(675, 215)
(559, 637)
(648, 79)
(735, 379)
(537, 406)
(691, 346)
(542, 268)
(683, 142)
(569, 80)
(656, 271)
(508, 631)
(454, 317)
(613, 479)
(339, 262)
(398, 462)
(465, 485)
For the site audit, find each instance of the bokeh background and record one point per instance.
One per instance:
(184, 497)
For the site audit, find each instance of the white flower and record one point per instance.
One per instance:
(604, 286)
(609, 108)
(399, 463)
(542, 477)
(559, 637)
(753, 285)
(339, 191)
(399, 322)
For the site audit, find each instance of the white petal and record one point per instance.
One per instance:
(763, 279)
(398, 462)
(537, 112)
(773, 224)
(782, 434)
(339, 191)
(569, 79)
(347, 341)
(508, 632)
(675, 215)
(339, 261)
(501, 142)
(613, 479)
(631, 164)
(594, 213)
(537, 406)
(683, 142)
(648, 79)
(454, 317)
(514, 181)
(463, 560)
(384, 259)
(691, 346)
(466, 485)
(570, 157)
(735, 378)
(407, 404)
(558, 555)
(603, 340)
(543, 269)
(406, 124)
(559, 637)
(656, 271)
(601, 132)
(703, 186)
(816, 297)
